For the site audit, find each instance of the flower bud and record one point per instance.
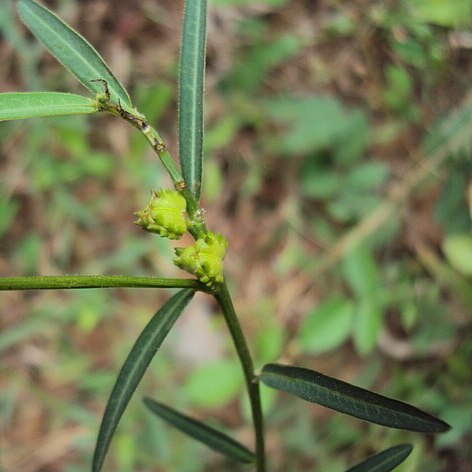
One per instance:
(204, 259)
(164, 214)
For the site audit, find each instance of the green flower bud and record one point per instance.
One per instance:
(204, 259)
(164, 214)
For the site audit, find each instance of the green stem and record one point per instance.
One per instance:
(224, 299)
(45, 282)
(164, 155)
(139, 121)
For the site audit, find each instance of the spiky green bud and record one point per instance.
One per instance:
(204, 259)
(164, 214)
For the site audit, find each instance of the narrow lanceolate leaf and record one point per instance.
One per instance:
(384, 461)
(134, 367)
(192, 71)
(213, 438)
(347, 398)
(18, 105)
(73, 51)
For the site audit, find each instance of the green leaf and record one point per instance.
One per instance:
(362, 274)
(458, 250)
(367, 324)
(213, 438)
(442, 12)
(214, 384)
(18, 105)
(269, 340)
(328, 326)
(366, 176)
(73, 51)
(384, 461)
(134, 367)
(227, 3)
(315, 124)
(346, 398)
(191, 82)
(253, 67)
(397, 94)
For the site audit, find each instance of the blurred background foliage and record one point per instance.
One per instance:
(338, 164)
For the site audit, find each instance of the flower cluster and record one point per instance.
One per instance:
(204, 259)
(164, 214)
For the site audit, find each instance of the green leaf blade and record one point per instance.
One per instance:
(328, 326)
(384, 461)
(191, 85)
(207, 435)
(346, 398)
(134, 367)
(18, 105)
(73, 51)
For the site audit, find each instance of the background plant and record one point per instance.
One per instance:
(259, 185)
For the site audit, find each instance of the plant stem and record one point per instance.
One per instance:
(224, 299)
(45, 282)
(164, 155)
(140, 122)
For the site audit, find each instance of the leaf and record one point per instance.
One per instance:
(442, 12)
(367, 176)
(458, 250)
(451, 134)
(18, 105)
(191, 82)
(249, 72)
(346, 398)
(134, 367)
(361, 272)
(328, 326)
(384, 461)
(269, 340)
(214, 384)
(213, 438)
(312, 124)
(73, 51)
(451, 210)
(399, 89)
(367, 325)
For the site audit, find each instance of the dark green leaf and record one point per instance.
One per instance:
(73, 51)
(18, 105)
(384, 461)
(191, 82)
(346, 398)
(214, 439)
(134, 367)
